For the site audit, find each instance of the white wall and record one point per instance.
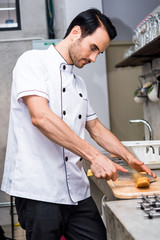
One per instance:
(126, 14)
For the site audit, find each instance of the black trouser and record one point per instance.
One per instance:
(49, 221)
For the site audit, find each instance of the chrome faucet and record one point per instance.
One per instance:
(146, 123)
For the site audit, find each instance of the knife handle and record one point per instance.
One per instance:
(89, 173)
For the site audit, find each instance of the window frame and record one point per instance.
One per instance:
(18, 19)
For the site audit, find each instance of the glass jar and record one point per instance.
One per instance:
(157, 15)
(135, 39)
(151, 26)
(148, 33)
(155, 29)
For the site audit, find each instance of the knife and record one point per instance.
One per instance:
(129, 174)
(136, 175)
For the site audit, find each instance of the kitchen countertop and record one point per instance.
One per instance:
(124, 221)
(127, 222)
(103, 185)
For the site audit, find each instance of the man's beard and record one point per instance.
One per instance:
(75, 55)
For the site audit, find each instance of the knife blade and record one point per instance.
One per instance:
(135, 175)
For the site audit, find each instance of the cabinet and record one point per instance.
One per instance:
(142, 55)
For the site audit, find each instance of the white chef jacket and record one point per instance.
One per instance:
(35, 167)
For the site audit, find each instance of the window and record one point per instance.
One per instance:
(9, 15)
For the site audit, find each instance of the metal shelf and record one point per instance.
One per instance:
(145, 54)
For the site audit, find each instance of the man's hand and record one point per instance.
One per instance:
(140, 166)
(105, 168)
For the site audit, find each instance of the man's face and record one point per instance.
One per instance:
(85, 50)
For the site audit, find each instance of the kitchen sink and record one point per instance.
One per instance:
(147, 151)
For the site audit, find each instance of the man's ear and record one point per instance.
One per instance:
(75, 32)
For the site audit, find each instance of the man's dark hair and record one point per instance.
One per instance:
(89, 21)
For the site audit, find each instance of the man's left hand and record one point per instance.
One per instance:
(140, 167)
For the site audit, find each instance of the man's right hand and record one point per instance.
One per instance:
(106, 169)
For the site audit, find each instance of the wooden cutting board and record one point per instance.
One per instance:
(125, 188)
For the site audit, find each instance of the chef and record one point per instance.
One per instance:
(49, 112)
